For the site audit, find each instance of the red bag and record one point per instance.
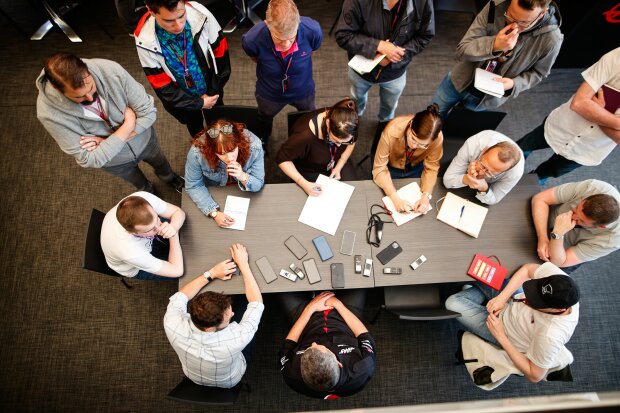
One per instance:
(487, 271)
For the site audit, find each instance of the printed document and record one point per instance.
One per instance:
(485, 82)
(410, 193)
(325, 211)
(237, 208)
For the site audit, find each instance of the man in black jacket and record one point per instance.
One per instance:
(328, 353)
(398, 29)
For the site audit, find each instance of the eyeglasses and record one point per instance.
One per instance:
(215, 132)
(522, 24)
(337, 141)
(487, 172)
(280, 39)
(417, 141)
(157, 224)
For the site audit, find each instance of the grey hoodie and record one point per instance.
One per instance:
(66, 120)
(534, 53)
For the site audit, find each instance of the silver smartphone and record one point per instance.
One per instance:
(312, 271)
(266, 269)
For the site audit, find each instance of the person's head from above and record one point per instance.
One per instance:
(170, 15)
(553, 294)
(225, 141)
(210, 311)
(424, 128)
(526, 13)
(320, 369)
(341, 122)
(70, 76)
(137, 216)
(282, 20)
(494, 161)
(596, 211)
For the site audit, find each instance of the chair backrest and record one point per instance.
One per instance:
(189, 392)
(460, 125)
(244, 114)
(94, 259)
(292, 118)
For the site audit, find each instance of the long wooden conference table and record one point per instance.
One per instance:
(273, 215)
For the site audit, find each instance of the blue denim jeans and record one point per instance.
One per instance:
(409, 172)
(152, 155)
(446, 96)
(555, 166)
(389, 93)
(470, 303)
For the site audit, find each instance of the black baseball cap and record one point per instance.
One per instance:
(555, 291)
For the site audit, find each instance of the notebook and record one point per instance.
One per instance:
(487, 271)
(462, 214)
(485, 82)
(410, 193)
(612, 98)
(363, 65)
(237, 208)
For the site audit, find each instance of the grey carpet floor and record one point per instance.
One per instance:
(72, 340)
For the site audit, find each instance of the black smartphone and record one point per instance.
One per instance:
(337, 275)
(295, 247)
(389, 253)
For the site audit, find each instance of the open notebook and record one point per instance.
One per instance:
(237, 208)
(462, 214)
(410, 193)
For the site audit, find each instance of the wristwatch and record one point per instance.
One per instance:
(207, 275)
(553, 235)
(213, 213)
(428, 195)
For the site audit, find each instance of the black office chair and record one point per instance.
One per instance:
(244, 114)
(189, 392)
(460, 125)
(292, 117)
(416, 302)
(94, 259)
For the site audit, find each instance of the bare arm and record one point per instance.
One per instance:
(584, 105)
(240, 256)
(540, 215)
(318, 303)
(222, 271)
(174, 266)
(288, 167)
(354, 323)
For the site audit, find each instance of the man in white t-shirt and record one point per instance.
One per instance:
(532, 327)
(213, 344)
(137, 243)
(581, 131)
(576, 222)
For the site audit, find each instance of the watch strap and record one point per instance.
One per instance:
(207, 275)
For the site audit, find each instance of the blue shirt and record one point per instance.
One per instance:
(270, 67)
(172, 49)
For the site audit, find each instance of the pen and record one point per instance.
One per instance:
(316, 188)
(462, 210)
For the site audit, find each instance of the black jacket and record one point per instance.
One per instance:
(363, 23)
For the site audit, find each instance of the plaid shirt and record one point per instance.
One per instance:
(210, 359)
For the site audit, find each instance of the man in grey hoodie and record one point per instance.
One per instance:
(518, 40)
(100, 115)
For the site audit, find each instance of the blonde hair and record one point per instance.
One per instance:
(282, 16)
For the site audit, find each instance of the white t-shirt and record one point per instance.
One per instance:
(574, 137)
(540, 336)
(127, 253)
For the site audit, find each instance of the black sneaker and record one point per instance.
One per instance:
(178, 183)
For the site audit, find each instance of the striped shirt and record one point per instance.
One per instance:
(214, 358)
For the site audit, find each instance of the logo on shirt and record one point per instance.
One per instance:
(346, 350)
(304, 54)
(547, 289)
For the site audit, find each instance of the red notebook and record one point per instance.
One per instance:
(487, 271)
(612, 98)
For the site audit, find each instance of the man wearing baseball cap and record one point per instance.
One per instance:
(532, 326)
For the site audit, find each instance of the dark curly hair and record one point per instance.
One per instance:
(210, 147)
(207, 309)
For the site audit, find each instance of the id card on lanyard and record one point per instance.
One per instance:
(285, 68)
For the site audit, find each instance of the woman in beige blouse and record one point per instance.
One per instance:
(411, 146)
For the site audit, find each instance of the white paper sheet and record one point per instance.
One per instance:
(485, 82)
(324, 212)
(364, 65)
(410, 193)
(237, 208)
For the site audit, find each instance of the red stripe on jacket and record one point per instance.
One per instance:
(159, 80)
(221, 48)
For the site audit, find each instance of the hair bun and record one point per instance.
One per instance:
(433, 108)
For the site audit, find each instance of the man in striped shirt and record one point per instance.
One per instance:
(213, 344)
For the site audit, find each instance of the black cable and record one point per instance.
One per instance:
(375, 222)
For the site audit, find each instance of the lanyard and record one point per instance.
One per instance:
(400, 3)
(281, 63)
(332, 154)
(99, 111)
(189, 80)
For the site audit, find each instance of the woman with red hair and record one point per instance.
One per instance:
(223, 154)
